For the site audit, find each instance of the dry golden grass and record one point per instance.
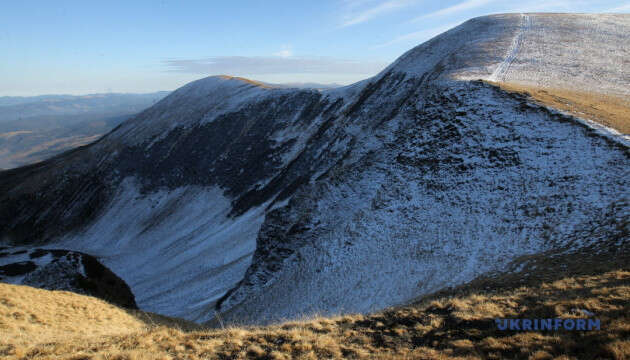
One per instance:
(610, 110)
(453, 324)
(29, 316)
(251, 82)
(26, 311)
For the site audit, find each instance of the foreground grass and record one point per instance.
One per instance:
(30, 316)
(459, 323)
(609, 110)
(445, 328)
(454, 323)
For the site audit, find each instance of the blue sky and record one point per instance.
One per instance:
(79, 47)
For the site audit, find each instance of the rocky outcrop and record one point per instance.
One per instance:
(55, 269)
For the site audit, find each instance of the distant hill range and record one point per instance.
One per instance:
(38, 127)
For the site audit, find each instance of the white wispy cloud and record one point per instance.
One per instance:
(353, 4)
(359, 16)
(621, 8)
(285, 52)
(466, 5)
(262, 65)
(419, 36)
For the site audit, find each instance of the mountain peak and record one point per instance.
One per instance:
(247, 81)
(538, 49)
(226, 80)
(198, 101)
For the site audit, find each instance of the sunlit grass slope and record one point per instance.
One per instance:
(609, 110)
(457, 323)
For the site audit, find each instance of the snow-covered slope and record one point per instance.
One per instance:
(470, 180)
(583, 51)
(263, 203)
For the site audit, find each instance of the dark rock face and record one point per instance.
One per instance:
(65, 199)
(101, 282)
(235, 151)
(70, 271)
(18, 268)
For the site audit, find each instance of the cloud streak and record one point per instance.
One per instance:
(261, 65)
(625, 7)
(380, 9)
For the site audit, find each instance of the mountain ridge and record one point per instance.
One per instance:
(263, 200)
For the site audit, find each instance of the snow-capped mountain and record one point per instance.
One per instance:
(264, 203)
